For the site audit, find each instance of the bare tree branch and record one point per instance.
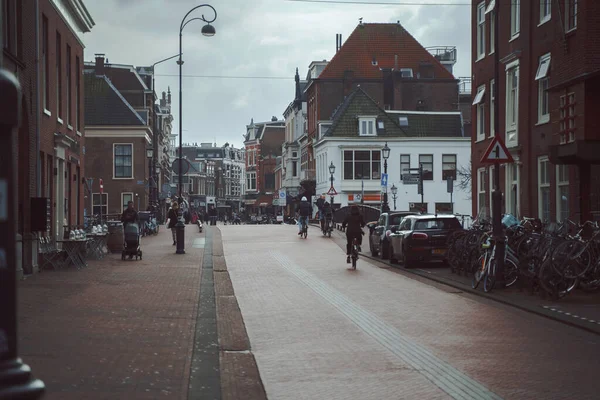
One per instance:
(464, 173)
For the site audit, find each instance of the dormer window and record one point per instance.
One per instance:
(380, 125)
(366, 126)
(406, 72)
(403, 121)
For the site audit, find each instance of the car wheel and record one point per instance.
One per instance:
(393, 259)
(385, 250)
(373, 251)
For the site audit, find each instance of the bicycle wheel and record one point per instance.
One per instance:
(511, 273)
(571, 259)
(479, 273)
(489, 280)
(354, 258)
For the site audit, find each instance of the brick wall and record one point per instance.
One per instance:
(100, 162)
(49, 124)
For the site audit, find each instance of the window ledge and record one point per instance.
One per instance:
(480, 139)
(480, 57)
(123, 179)
(542, 22)
(69, 127)
(543, 121)
(571, 31)
(514, 37)
(491, 52)
(60, 121)
(79, 133)
(48, 113)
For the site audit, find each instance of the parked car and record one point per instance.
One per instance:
(422, 238)
(379, 242)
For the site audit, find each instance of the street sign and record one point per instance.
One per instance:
(410, 179)
(450, 183)
(185, 165)
(497, 153)
(384, 180)
(282, 195)
(331, 192)
(275, 202)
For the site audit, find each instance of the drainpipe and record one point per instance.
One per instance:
(38, 166)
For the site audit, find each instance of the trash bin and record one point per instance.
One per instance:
(115, 237)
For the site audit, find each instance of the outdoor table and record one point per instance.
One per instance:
(75, 249)
(97, 242)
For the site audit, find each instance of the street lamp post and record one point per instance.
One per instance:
(207, 30)
(394, 195)
(386, 154)
(149, 156)
(331, 171)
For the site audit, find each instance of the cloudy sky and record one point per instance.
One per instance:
(247, 69)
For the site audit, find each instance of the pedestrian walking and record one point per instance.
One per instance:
(173, 221)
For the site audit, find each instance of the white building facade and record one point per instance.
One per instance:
(440, 156)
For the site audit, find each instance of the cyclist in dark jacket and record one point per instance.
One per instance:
(354, 223)
(305, 211)
(327, 213)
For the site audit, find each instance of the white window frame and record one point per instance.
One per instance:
(249, 180)
(481, 190)
(559, 185)
(480, 112)
(568, 26)
(372, 162)
(515, 18)
(545, 11)
(543, 183)
(123, 202)
(512, 104)
(406, 73)
(480, 30)
(132, 161)
(492, 107)
(366, 126)
(491, 171)
(510, 182)
(543, 80)
(492, 31)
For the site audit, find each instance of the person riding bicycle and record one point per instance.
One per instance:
(320, 202)
(355, 223)
(305, 211)
(327, 212)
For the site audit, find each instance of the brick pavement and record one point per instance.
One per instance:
(128, 329)
(579, 309)
(321, 331)
(116, 329)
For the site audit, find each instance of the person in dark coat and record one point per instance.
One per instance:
(305, 211)
(354, 224)
(129, 216)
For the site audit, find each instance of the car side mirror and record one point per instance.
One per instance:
(394, 229)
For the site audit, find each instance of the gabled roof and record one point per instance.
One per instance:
(105, 106)
(358, 103)
(433, 124)
(381, 43)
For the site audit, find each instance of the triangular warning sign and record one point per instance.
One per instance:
(497, 153)
(332, 192)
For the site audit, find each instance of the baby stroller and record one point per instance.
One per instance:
(131, 247)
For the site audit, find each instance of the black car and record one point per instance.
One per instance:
(422, 238)
(379, 235)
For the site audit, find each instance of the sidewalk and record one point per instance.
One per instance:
(116, 329)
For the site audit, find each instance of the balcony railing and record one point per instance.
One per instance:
(464, 85)
(444, 54)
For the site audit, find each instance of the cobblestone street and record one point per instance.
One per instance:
(321, 331)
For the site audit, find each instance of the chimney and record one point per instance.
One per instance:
(99, 64)
(169, 95)
(274, 119)
(338, 42)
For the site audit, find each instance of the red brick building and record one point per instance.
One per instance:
(51, 137)
(391, 66)
(549, 73)
(118, 121)
(262, 143)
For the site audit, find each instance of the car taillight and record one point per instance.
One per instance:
(420, 236)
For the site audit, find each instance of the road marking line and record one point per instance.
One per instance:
(449, 379)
